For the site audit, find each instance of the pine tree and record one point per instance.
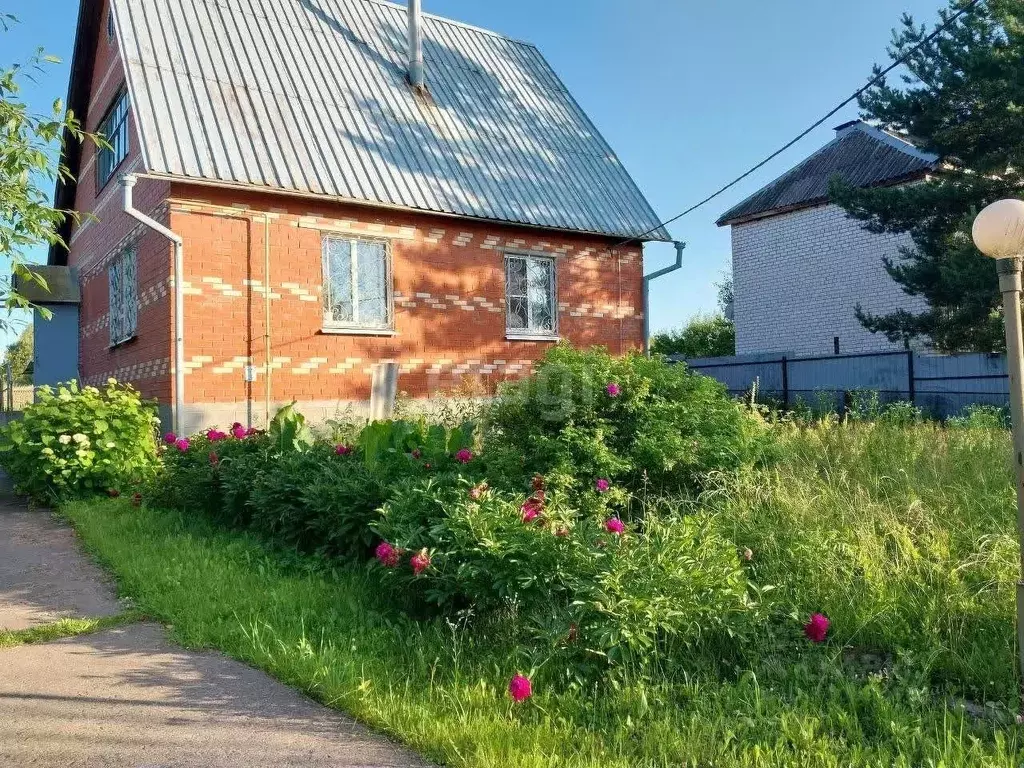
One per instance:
(962, 99)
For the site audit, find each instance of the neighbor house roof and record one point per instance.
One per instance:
(311, 96)
(861, 154)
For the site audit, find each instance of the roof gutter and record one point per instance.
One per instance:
(648, 279)
(128, 182)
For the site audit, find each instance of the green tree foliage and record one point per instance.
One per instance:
(703, 336)
(19, 356)
(960, 100)
(30, 146)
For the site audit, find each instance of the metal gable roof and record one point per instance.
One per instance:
(311, 96)
(864, 156)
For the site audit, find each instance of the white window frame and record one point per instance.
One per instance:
(330, 325)
(549, 334)
(123, 296)
(114, 128)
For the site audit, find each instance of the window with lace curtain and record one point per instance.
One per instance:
(530, 296)
(122, 277)
(357, 285)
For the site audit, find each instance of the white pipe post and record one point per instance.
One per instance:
(1010, 287)
(128, 182)
(416, 74)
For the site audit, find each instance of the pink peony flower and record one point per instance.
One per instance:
(520, 689)
(748, 554)
(417, 453)
(477, 492)
(181, 444)
(214, 459)
(427, 465)
(388, 555)
(614, 525)
(464, 456)
(531, 510)
(602, 485)
(239, 432)
(817, 628)
(613, 389)
(215, 435)
(170, 438)
(420, 562)
(342, 450)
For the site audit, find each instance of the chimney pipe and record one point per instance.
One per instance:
(416, 79)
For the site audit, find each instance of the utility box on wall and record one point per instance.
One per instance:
(55, 349)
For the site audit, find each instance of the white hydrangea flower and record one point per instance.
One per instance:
(64, 439)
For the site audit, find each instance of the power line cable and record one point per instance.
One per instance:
(857, 94)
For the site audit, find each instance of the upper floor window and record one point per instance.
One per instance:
(124, 296)
(357, 284)
(114, 128)
(530, 295)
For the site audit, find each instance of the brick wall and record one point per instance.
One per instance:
(798, 276)
(449, 290)
(102, 234)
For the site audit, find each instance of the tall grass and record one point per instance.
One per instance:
(902, 534)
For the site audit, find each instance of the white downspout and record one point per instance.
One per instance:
(416, 74)
(129, 181)
(647, 292)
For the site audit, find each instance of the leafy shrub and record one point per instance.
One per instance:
(981, 417)
(75, 441)
(703, 336)
(636, 421)
(575, 586)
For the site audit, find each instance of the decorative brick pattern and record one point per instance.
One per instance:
(798, 276)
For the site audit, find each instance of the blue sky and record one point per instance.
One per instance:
(689, 94)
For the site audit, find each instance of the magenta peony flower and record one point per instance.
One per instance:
(817, 628)
(538, 482)
(388, 555)
(614, 525)
(420, 562)
(531, 510)
(214, 459)
(181, 444)
(602, 485)
(238, 431)
(342, 450)
(215, 435)
(613, 390)
(464, 456)
(251, 431)
(520, 689)
(170, 438)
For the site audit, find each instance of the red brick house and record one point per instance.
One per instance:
(332, 212)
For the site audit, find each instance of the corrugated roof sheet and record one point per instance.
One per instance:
(862, 155)
(311, 96)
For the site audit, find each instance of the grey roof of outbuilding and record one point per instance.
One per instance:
(862, 155)
(311, 96)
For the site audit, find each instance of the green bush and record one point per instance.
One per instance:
(77, 441)
(635, 421)
(575, 587)
(703, 336)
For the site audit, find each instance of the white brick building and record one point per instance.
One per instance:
(801, 266)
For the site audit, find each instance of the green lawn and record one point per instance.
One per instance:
(902, 535)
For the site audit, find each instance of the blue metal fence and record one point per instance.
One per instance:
(942, 385)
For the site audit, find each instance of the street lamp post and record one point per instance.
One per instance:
(999, 233)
